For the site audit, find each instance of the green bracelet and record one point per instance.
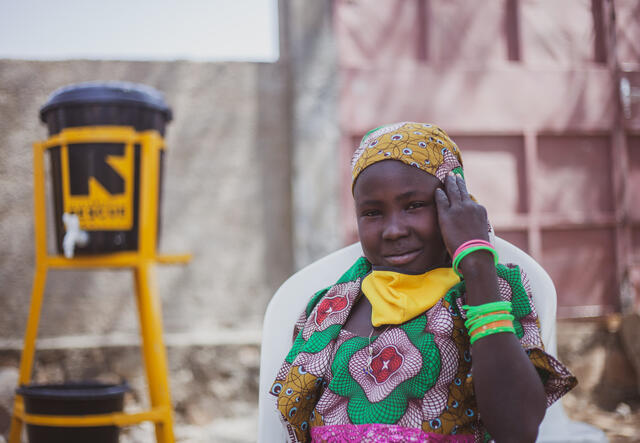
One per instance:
(473, 325)
(491, 331)
(487, 308)
(465, 252)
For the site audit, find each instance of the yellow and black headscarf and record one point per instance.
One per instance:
(422, 145)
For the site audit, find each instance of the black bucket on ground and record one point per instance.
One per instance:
(102, 104)
(86, 398)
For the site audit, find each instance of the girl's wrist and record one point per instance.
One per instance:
(480, 277)
(477, 263)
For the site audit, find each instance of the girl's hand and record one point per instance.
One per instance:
(460, 218)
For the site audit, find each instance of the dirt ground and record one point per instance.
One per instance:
(608, 391)
(620, 425)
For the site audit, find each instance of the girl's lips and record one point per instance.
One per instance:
(402, 259)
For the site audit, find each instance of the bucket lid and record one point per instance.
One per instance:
(107, 93)
(73, 390)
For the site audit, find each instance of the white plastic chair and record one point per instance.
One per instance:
(292, 297)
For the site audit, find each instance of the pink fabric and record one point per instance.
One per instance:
(373, 433)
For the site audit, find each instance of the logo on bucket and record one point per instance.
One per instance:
(97, 181)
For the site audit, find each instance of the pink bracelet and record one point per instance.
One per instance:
(469, 244)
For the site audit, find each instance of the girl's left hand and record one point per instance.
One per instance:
(460, 218)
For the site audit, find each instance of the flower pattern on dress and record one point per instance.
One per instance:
(330, 305)
(440, 324)
(385, 363)
(412, 418)
(322, 382)
(333, 407)
(398, 351)
(370, 402)
(318, 362)
(332, 310)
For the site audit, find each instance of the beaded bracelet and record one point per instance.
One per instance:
(468, 250)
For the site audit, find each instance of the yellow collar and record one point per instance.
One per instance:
(396, 298)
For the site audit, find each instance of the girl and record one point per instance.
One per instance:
(427, 337)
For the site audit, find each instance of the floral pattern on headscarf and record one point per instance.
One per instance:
(422, 145)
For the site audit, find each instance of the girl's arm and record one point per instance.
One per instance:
(509, 392)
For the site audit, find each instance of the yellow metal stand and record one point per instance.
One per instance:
(142, 262)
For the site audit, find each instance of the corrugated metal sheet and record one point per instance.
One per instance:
(527, 88)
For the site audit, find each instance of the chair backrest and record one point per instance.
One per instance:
(291, 298)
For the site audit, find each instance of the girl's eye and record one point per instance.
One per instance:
(370, 213)
(416, 205)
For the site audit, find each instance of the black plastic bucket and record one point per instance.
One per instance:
(102, 104)
(84, 398)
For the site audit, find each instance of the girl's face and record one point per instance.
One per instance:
(397, 218)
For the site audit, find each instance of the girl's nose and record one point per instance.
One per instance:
(395, 228)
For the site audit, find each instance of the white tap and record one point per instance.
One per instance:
(74, 235)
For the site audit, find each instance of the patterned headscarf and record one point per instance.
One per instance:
(422, 145)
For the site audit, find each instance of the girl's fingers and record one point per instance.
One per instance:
(462, 186)
(451, 187)
(441, 199)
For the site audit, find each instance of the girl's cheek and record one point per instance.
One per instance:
(430, 222)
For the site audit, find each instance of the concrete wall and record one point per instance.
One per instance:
(219, 164)
(316, 134)
(250, 189)
(226, 200)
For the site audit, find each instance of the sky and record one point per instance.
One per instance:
(199, 30)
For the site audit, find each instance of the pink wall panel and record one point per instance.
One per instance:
(635, 244)
(374, 32)
(518, 238)
(494, 167)
(634, 271)
(549, 37)
(478, 101)
(483, 40)
(524, 88)
(633, 146)
(574, 174)
(628, 31)
(585, 277)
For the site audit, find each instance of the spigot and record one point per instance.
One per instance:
(74, 235)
